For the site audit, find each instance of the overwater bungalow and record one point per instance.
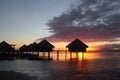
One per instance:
(77, 46)
(6, 48)
(6, 51)
(29, 52)
(23, 48)
(45, 46)
(33, 50)
(32, 47)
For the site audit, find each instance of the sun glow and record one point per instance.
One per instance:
(80, 55)
(88, 55)
(60, 45)
(19, 44)
(93, 46)
(91, 49)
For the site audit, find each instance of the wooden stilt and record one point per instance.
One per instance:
(43, 54)
(38, 54)
(70, 55)
(65, 55)
(76, 55)
(48, 55)
(57, 55)
(82, 55)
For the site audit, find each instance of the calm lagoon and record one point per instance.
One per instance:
(95, 66)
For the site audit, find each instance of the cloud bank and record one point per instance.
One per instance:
(110, 47)
(88, 20)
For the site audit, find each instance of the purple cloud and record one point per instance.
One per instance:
(89, 20)
(110, 47)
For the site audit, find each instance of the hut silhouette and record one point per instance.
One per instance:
(5, 47)
(45, 46)
(23, 48)
(29, 52)
(77, 46)
(6, 51)
(32, 47)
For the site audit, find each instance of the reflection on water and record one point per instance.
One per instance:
(95, 66)
(87, 55)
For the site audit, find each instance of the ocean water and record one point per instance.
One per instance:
(95, 66)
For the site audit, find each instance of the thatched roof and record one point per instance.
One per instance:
(32, 47)
(23, 48)
(45, 43)
(45, 46)
(77, 43)
(4, 47)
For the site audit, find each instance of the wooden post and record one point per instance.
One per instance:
(48, 55)
(65, 55)
(57, 55)
(70, 55)
(38, 54)
(43, 54)
(76, 55)
(82, 55)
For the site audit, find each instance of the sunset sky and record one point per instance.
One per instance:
(95, 22)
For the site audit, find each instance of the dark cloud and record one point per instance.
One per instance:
(89, 20)
(110, 47)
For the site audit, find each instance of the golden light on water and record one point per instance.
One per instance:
(88, 55)
(80, 55)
